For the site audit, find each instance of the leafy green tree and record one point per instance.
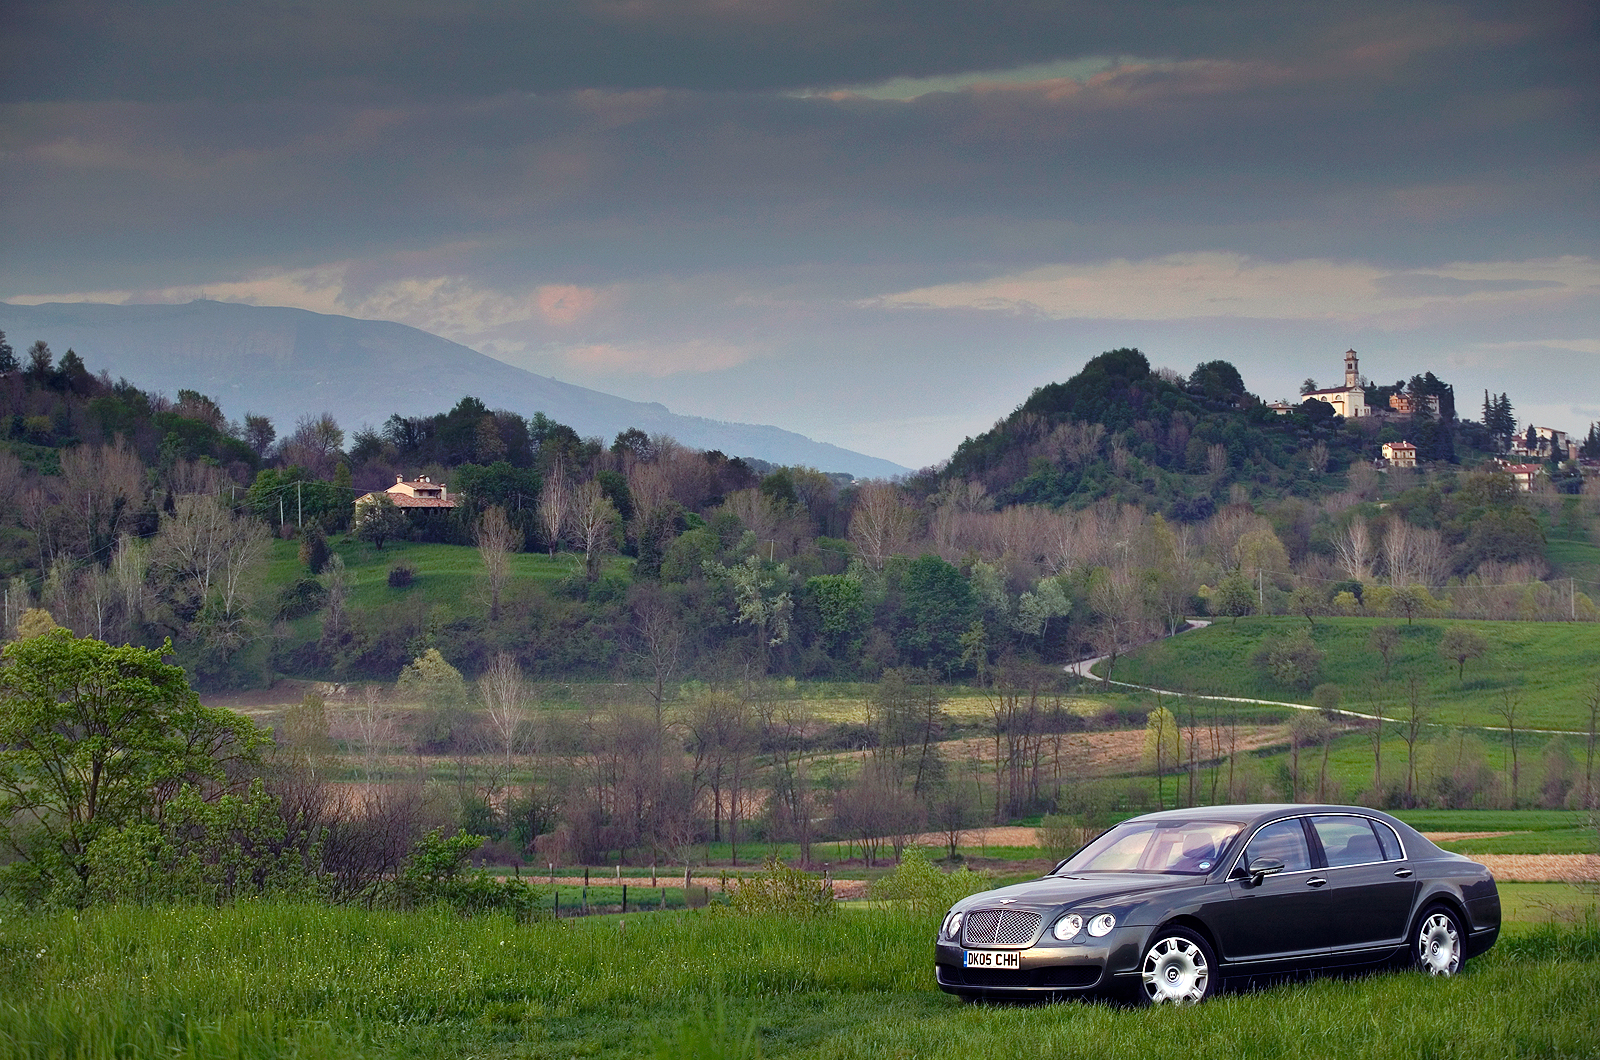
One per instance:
(1294, 660)
(379, 519)
(837, 603)
(94, 738)
(1235, 597)
(1462, 643)
(937, 606)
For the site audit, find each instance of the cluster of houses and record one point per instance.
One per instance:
(1350, 401)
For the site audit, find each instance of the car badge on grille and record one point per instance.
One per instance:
(1007, 901)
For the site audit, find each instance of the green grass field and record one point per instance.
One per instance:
(1549, 667)
(266, 981)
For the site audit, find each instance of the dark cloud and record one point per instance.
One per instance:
(397, 49)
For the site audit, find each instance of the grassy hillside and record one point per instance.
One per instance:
(1549, 667)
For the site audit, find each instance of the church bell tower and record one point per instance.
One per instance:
(1352, 370)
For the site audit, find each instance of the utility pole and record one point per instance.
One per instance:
(299, 508)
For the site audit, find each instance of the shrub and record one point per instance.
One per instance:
(778, 890)
(923, 888)
(301, 598)
(433, 875)
(1294, 661)
(400, 576)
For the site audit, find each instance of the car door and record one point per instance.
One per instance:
(1369, 896)
(1283, 916)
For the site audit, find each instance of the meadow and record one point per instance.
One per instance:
(1550, 668)
(272, 981)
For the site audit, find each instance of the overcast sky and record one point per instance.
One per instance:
(877, 223)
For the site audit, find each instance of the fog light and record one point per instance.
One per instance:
(1068, 926)
(1102, 925)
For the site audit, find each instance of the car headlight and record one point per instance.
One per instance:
(952, 925)
(1102, 925)
(1068, 926)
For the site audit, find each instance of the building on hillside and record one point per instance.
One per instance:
(1350, 400)
(423, 493)
(1282, 408)
(1406, 405)
(1523, 474)
(1547, 443)
(1400, 454)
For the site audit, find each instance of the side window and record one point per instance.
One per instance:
(1284, 840)
(1388, 840)
(1347, 840)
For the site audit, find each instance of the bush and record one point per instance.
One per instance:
(303, 597)
(400, 576)
(1294, 661)
(433, 875)
(778, 890)
(924, 889)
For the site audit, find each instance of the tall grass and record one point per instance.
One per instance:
(311, 982)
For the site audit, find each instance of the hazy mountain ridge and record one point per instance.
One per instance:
(287, 362)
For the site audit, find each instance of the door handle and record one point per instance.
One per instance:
(1315, 881)
(1402, 873)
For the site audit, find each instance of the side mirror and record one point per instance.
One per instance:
(1261, 868)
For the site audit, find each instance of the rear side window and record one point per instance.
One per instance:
(1284, 840)
(1388, 840)
(1347, 840)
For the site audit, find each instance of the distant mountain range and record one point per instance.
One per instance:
(289, 362)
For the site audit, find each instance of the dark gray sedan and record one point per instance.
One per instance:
(1163, 907)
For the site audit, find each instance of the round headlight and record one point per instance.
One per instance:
(952, 925)
(1102, 925)
(1068, 926)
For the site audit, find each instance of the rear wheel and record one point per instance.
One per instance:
(1438, 944)
(1178, 968)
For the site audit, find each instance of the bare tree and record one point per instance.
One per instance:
(496, 541)
(595, 519)
(1118, 601)
(102, 487)
(1591, 702)
(316, 444)
(555, 503)
(1509, 703)
(1413, 555)
(881, 523)
(258, 433)
(1412, 723)
(657, 638)
(209, 554)
(1352, 547)
(504, 696)
(374, 726)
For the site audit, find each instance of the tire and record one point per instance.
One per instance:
(1438, 942)
(1179, 968)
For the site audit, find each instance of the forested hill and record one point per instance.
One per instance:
(286, 363)
(1119, 429)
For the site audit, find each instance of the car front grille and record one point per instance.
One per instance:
(1000, 927)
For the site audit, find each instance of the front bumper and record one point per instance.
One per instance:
(1047, 967)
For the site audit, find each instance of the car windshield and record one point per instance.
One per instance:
(1180, 848)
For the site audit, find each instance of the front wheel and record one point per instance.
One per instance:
(1437, 945)
(1178, 969)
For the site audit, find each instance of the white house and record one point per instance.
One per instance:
(1400, 454)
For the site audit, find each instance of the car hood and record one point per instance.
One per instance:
(1076, 890)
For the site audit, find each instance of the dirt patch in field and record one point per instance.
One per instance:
(1541, 868)
(1121, 751)
(1450, 837)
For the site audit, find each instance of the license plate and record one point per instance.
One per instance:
(992, 959)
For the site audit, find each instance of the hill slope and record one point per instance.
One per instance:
(288, 362)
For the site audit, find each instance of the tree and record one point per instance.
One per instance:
(881, 524)
(8, 356)
(1462, 643)
(1416, 717)
(209, 555)
(504, 693)
(761, 594)
(1308, 386)
(1307, 602)
(259, 433)
(378, 519)
(1509, 702)
(1162, 746)
(94, 738)
(597, 521)
(938, 606)
(1235, 597)
(41, 364)
(555, 502)
(1384, 640)
(1293, 661)
(496, 541)
(1352, 548)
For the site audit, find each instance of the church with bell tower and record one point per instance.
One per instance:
(1350, 400)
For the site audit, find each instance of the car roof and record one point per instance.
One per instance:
(1253, 812)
